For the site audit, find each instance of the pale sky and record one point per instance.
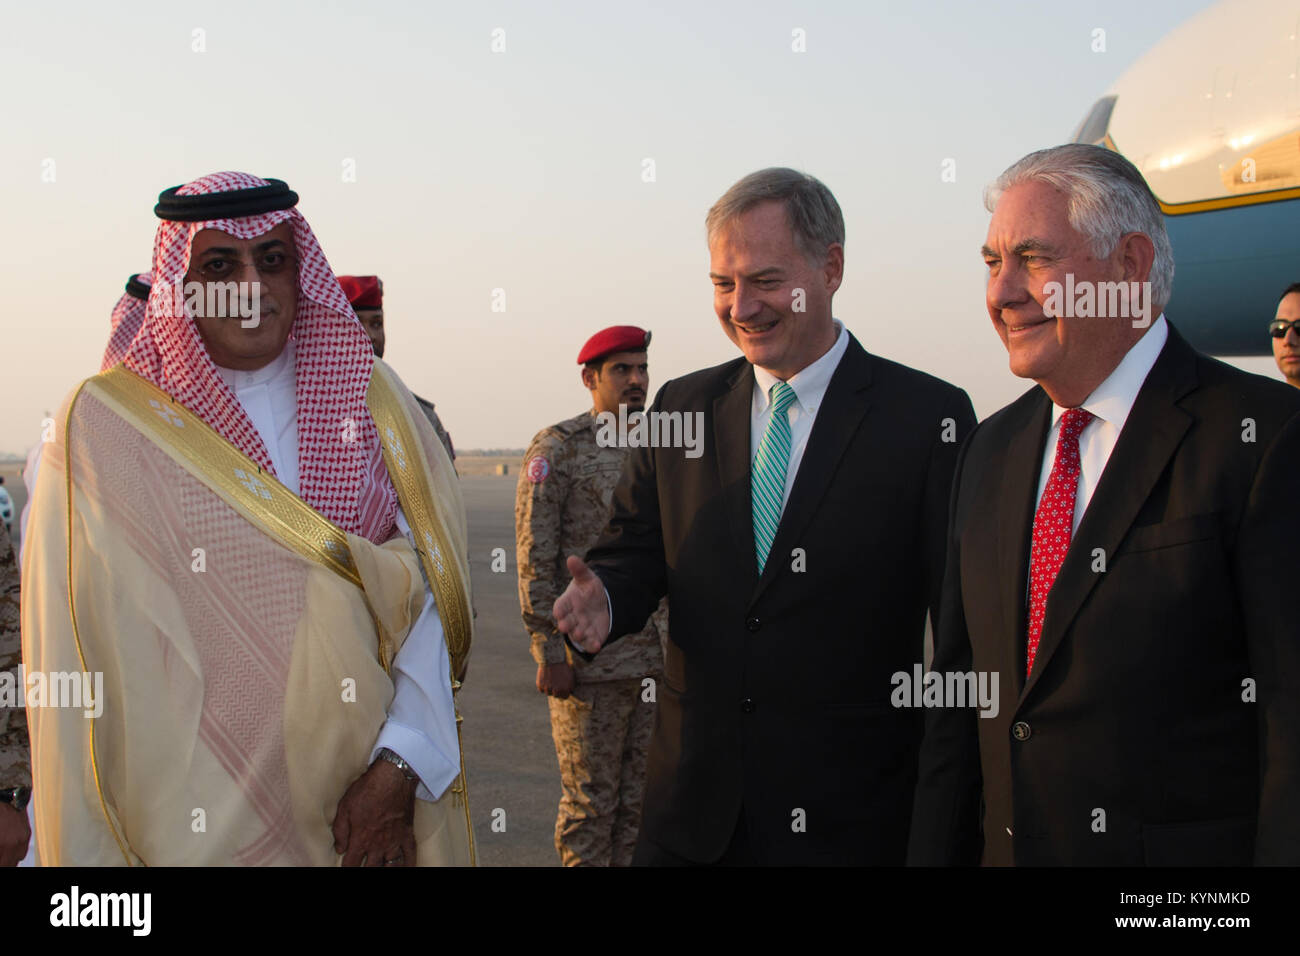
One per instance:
(523, 170)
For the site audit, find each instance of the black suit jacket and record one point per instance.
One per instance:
(776, 691)
(1131, 743)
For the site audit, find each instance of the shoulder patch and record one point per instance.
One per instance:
(537, 468)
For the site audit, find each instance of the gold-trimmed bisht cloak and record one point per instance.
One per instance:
(243, 640)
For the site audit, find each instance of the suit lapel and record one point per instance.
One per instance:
(1014, 523)
(842, 409)
(1151, 435)
(731, 424)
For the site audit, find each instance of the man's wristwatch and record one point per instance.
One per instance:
(386, 754)
(16, 797)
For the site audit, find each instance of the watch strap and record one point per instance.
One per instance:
(396, 760)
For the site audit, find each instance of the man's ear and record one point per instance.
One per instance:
(1137, 255)
(833, 267)
(590, 378)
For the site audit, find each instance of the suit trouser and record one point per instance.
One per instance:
(739, 851)
(602, 733)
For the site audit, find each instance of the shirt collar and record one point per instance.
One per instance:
(277, 368)
(810, 382)
(1113, 399)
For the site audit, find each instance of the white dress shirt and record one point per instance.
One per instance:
(809, 386)
(1110, 404)
(421, 725)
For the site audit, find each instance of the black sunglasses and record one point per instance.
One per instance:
(1278, 327)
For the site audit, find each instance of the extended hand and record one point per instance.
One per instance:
(375, 821)
(14, 835)
(555, 679)
(581, 611)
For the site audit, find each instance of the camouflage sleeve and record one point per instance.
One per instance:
(658, 623)
(539, 510)
(658, 627)
(427, 407)
(15, 753)
(443, 435)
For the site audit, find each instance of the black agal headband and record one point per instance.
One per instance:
(136, 288)
(232, 204)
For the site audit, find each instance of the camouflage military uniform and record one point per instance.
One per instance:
(436, 422)
(15, 756)
(602, 730)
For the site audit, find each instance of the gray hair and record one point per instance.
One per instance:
(812, 210)
(1108, 197)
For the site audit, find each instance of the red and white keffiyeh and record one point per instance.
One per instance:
(127, 317)
(341, 467)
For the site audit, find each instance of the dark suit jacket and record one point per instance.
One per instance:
(1135, 708)
(776, 691)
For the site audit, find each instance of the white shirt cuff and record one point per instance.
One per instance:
(421, 725)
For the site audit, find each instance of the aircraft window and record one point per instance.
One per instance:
(1221, 148)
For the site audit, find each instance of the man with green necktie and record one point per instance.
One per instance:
(800, 554)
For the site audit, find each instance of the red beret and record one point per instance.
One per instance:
(364, 292)
(616, 338)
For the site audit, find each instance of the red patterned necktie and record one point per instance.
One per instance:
(1054, 523)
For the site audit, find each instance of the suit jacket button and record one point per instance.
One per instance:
(1020, 730)
(753, 624)
(747, 705)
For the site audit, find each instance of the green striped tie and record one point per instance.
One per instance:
(767, 479)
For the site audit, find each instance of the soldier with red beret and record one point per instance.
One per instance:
(602, 712)
(366, 293)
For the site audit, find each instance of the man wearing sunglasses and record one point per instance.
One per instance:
(1285, 330)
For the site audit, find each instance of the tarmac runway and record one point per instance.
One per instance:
(514, 780)
(509, 755)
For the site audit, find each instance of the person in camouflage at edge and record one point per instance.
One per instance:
(15, 755)
(366, 296)
(602, 712)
